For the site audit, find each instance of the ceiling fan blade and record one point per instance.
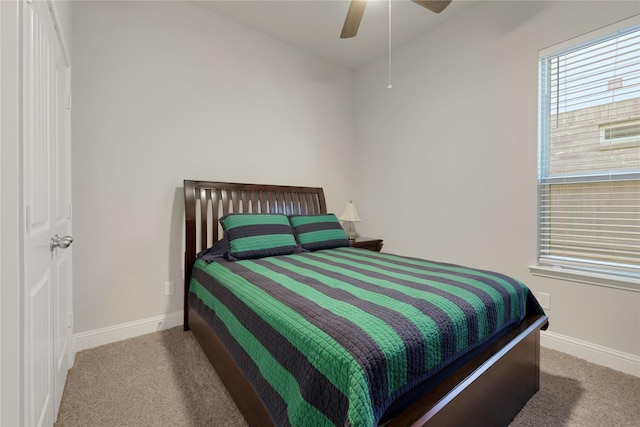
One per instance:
(436, 6)
(352, 21)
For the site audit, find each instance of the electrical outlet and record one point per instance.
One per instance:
(169, 288)
(545, 300)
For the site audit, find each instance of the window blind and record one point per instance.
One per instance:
(589, 155)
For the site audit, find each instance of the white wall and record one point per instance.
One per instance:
(166, 91)
(451, 151)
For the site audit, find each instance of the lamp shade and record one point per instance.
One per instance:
(350, 213)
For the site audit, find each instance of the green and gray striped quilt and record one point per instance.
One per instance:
(333, 337)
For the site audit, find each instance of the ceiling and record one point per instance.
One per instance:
(315, 25)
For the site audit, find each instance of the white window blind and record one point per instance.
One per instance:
(589, 155)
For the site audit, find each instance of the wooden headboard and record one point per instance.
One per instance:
(206, 202)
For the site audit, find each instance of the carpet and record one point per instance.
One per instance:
(164, 379)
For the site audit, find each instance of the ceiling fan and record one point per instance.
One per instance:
(356, 10)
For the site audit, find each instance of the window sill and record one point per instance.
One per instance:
(608, 146)
(608, 281)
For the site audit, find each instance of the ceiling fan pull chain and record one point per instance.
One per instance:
(389, 86)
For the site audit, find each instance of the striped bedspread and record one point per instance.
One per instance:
(333, 337)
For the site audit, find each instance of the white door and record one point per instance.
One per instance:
(46, 172)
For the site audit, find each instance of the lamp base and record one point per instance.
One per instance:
(351, 233)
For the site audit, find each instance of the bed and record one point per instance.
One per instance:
(485, 384)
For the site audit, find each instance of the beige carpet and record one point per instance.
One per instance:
(164, 379)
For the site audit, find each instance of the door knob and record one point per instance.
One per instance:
(60, 242)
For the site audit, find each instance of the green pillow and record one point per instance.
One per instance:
(315, 232)
(258, 235)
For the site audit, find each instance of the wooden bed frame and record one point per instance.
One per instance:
(490, 389)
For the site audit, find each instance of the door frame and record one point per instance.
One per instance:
(11, 219)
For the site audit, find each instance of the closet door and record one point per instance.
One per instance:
(47, 258)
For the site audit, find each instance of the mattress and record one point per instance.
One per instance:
(335, 337)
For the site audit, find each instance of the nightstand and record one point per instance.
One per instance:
(367, 243)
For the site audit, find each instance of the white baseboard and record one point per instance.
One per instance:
(624, 362)
(98, 337)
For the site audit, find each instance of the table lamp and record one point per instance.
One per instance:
(350, 214)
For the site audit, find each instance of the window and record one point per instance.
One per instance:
(589, 155)
(620, 134)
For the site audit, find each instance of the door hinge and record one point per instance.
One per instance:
(70, 322)
(28, 218)
(68, 211)
(68, 102)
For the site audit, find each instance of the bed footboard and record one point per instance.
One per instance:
(488, 390)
